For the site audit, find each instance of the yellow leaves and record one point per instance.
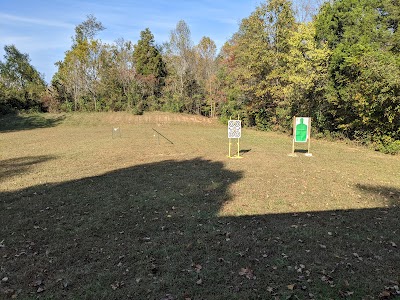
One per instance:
(291, 287)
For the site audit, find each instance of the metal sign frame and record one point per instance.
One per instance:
(234, 132)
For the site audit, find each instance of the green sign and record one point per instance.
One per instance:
(301, 130)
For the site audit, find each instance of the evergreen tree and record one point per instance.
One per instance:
(148, 59)
(150, 66)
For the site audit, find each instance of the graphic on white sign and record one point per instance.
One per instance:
(234, 129)
(302, 129)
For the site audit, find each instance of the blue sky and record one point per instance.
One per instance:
(43, 29)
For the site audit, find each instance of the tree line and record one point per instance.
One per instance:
(342, 68)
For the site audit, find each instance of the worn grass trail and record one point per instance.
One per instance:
(84, 215)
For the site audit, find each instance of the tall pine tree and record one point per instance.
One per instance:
(149, 66)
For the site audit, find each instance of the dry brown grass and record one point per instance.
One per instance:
(194, 222)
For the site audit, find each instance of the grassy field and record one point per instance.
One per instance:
(158, 211)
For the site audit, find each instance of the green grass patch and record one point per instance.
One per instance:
(88, 215)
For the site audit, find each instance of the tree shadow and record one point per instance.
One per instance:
(17, 166)
(153, 231)
(391, 195)
(17, 122)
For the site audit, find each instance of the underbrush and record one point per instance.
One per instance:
(384, 144)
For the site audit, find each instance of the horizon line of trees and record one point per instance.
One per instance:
(342, 69)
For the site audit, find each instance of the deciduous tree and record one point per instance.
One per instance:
(206, 52)
(21, 84)
(363, 93)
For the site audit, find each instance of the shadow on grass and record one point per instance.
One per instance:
(300, 151)
(153, 232)
(243, 151)
(17, 166)
(17, 122)
(389, 194)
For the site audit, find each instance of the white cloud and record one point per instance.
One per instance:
(44, 30)
(11, 19)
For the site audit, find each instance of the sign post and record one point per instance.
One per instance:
(234, 132)
(116, 132)
(302, 132)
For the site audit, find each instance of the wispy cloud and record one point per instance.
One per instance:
(15, 39)
(10, 19)
(43, 29)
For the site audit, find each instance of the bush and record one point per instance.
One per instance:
(138, 109)
(387, 145)
(392, 148)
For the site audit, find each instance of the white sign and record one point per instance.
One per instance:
(234, 129)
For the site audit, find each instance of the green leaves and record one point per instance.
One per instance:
(21, 84)
(364, 93)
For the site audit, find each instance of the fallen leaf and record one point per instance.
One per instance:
(247, 272)
(40, 289)
(327, 279)
(242, 271)
(198, 268)
(384, 294)
(291, 287)
(37, 282)
(199, 282)
(393, 244)
(345, 293)
(117, 285)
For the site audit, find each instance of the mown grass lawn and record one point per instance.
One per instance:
(88, 215)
